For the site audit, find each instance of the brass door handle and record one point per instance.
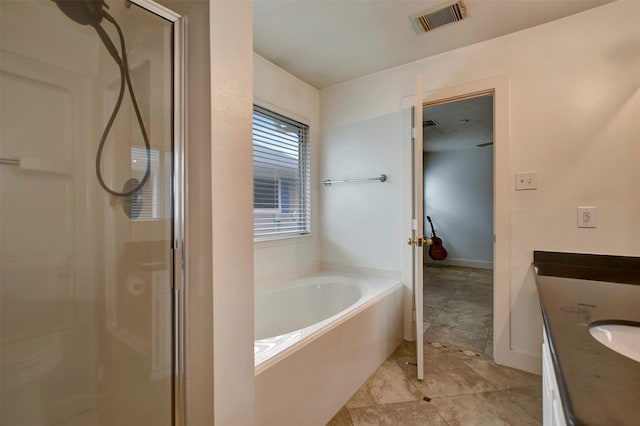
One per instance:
(420, 242)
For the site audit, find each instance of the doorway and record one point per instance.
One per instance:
(412, 200)
(458, 176)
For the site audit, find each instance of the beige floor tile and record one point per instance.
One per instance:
(459, 372)
(387, 385)
(466, 354)
(417, 413)
(438, 296)
(452, 275)
(529, 399)
(407, 351)
(481, 273)
(436, 348)
(406, 348)
(503, 377)
(456, 337)
(482, 409)
(431, 312)
(438, 282)
(488, 349)
(474, 293)
(343, 418)
(487, 282)
(407, 359)
(446, 374)
(466, 315)
(481, 277)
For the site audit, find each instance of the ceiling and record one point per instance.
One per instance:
(461, 125)
(325, 42)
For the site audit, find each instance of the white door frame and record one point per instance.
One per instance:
(499, 85)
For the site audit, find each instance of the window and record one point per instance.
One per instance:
(281, 188)
(156, 192)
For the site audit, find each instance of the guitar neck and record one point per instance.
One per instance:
(433, 232)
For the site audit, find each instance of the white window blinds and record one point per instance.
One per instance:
(281, 179)
(156, 192)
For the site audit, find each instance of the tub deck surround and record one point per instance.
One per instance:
(597, 385)
(295, 312)
(304, 376)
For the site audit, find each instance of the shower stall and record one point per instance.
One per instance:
(91, 213)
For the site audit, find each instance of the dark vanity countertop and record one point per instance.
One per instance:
(597, 385)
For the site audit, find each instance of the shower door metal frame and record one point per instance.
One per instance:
(178, 202)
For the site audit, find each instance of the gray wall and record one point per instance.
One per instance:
(458, 195)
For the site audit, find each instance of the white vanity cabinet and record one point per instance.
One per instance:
(552, 412)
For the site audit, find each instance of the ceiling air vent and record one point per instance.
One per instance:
(429, 123)
(438, 16)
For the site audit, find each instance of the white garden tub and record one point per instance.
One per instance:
(317, 340)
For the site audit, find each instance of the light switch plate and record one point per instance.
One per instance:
(526, 180)
(586, 217)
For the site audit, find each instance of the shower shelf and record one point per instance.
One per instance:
(41, 165)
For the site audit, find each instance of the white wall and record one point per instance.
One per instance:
(282, 92)
(361, 222)
(219, 253)
(458, 195)
(574, 103)
(231, 76)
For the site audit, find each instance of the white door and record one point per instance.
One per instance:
(418, 224)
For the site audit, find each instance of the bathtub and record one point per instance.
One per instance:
(317, 341)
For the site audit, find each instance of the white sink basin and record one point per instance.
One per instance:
(624, 339)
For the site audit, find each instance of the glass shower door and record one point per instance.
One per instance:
(86, 268)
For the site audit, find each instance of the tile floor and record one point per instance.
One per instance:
(462, 385)
(458, 307)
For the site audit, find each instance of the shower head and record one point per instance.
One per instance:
(91, 12)
(84, 12)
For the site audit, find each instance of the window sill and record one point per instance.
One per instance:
(260, 242)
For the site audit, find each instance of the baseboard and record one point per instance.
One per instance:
(479, 264)
(531, 363)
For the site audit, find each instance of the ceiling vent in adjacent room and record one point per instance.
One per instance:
(438, 16)
(429, 123)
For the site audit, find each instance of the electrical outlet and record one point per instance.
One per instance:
(586, 217)
(526, 180)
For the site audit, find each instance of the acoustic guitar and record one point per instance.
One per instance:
(436, 250)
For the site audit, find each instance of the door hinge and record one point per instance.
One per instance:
(414, 133)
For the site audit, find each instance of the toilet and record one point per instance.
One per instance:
(23, 364)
